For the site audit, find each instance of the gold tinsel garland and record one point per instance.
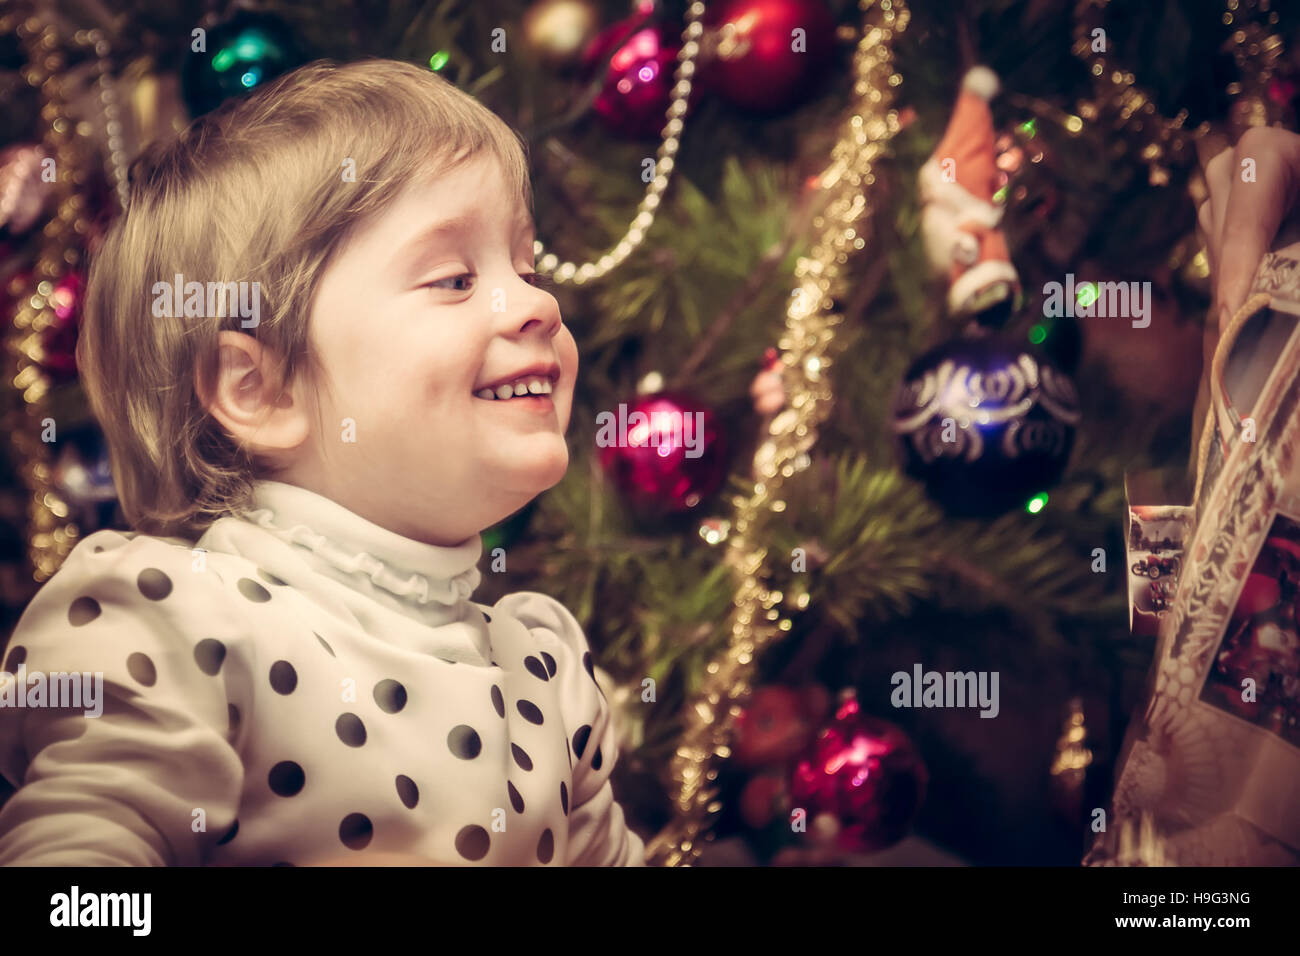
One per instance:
(1256, 52)
(1123, 105)
(51, 534)
(810, 331)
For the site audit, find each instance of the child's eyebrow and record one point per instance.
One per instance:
(412, 252)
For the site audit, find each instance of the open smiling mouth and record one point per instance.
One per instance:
(529, 391)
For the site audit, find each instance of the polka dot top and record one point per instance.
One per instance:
(302, 685)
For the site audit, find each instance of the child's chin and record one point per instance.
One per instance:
(543, 470)
(555, 470)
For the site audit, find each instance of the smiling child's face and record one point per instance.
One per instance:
(421, 310)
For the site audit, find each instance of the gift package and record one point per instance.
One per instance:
(1210, 770)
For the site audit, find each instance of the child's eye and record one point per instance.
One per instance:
(467, 277)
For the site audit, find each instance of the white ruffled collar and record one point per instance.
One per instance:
(417, 573)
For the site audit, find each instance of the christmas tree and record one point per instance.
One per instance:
(727, 199)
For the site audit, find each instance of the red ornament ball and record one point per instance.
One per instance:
(639, 80)
(664, 452)
(862, 780)
(777, 724)
(767, 55)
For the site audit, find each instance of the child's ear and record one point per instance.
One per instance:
(245, 400)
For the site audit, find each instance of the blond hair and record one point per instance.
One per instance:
(256, 191)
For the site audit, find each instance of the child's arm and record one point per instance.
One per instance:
(598, 833)
(154, 779)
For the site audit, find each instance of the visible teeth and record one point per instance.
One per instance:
(531, 385)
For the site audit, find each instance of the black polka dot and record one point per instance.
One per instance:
(516, 800)
(350, 730)
(446, 661)
(286, 778)
(154, 584)
(209, 654)
(329, 649)
(521, 757)
(588, 664)
(529, 711)
(83, 611)
(549, 661)
(536, 667)
(97, 548)
(487, 617)
(140, 667)
(283, 677)
(596, 760)
(390, 696)
(253, 591)
(464, 742)
(498, 701)
(19, 654)
(230, 834)
(564, 798)
(568, 750)
(232, 712)
(356, 831)
(546, 846)
(472, 842)
(407, 791)
(269, 578)
(580, 739)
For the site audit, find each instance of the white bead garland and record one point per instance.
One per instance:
(565, 272)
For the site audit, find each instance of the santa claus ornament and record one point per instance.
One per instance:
(986, 423)
(959, 217)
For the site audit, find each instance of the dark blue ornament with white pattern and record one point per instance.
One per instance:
(986, 424)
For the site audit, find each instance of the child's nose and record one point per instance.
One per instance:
(539, 312)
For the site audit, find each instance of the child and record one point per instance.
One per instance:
(309, 681)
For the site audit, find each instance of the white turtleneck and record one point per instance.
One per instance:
(302, 685)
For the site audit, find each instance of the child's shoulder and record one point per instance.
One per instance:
(535, 609)
(156, 566)
(151, 563)
(543, 614)
(121, 579)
